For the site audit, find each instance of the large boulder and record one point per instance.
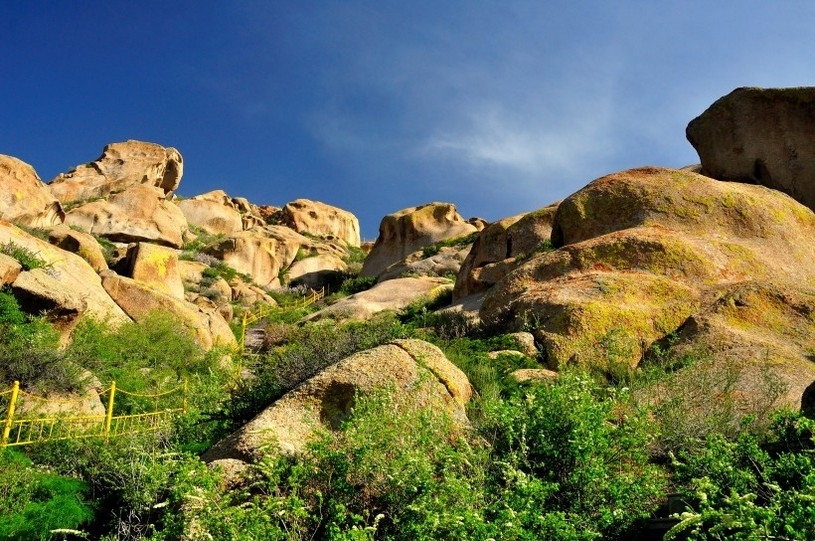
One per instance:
(409, 230)
(155, 266)
(501, 247)
(260, 253)
(38, 292)
(213, 212)
(316, 271)
(138, 214)
(760, 136)
(394, 295)
(316, 218)
(121, 166)
(641, 252)
(417, 370)
(71, 274)
(24, 199)
(82, 244)
(140, 300)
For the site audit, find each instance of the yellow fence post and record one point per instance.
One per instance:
(109, 412)
(15, 390)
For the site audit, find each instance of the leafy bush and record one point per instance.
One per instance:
(29, 351)
(33, 502)
(356, 284)
(27, 258)
(751, 488)
(572, 460)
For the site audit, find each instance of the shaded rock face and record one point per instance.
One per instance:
(417, 370)
(760, 136)
(641, 252)
(501, 247)
(121, 166)
(395, 295)
(306, 216)
(316, 271)
(82, 244)
(411, 229)
(24, 199)
(138, 214)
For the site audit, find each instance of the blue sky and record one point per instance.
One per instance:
(500, 107)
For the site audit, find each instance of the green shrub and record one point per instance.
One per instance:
(33, 502)
(27, 258)
(572, 460)
(750, 487)
(356, 284)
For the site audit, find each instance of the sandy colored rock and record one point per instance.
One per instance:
(526, 343)
(72, 274)
(138, 214)
(139, 300)
(250, 294)
(315, 271)
(534, 375)
(501, 247)
(260, 254)
(395, 295)
(760, 136)
(411, 229)
(86, 402)
(213, 212)
(322, 220)
(643, 250)
(121, 166)
(155, 266)
(38, 292)
(418, 371)
(10, 269)
(79, 243)
(446, 262)
(24, 199)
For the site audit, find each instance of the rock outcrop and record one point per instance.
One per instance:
(140, 300)
(24, 199)
(121, 166)
(138, 214)
(79, 243)
(315, 271)
(409, 230)
(395, 295)
(72, 275)
(501, 247)
(641, 252)
(418, 371)
(261, 254)
(155, 266)
(213, 212)
(316, 218)
(760, 136)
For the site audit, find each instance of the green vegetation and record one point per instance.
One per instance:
(585, 457)
(457, 242)
(27, 258)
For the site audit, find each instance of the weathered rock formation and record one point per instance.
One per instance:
(316, 218)
(138, 214)
(24, 199)
(155, 266)
(501, 247)
(315, 271)
(72, 276)
(82, 244)
(760, 136)
(140, 300)
(395, 295)
(418, 371)
(409, 230)
(213, 212)
(641, 252)
(121, 166)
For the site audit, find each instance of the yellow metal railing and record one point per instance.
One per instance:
(253, 317)
(27, 428)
